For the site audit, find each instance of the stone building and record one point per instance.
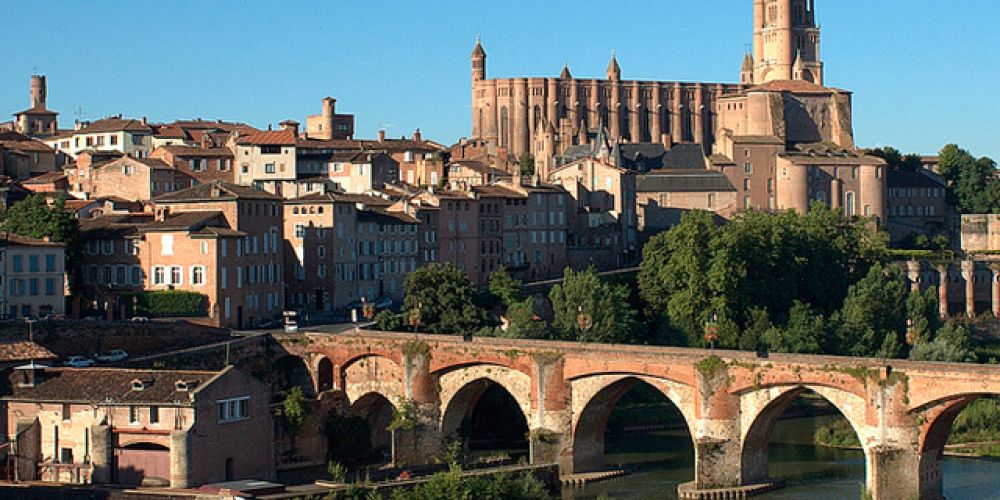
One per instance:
(329, 125)
(917, 203)
(133, 179)
(204, 164)
(38, 120)
(130, 427)
(32, 277)
(603, 224)
(128, 136)
(22, 157)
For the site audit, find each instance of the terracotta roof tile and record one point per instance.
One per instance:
(267, 137)
(11, 239)
(23, 350)
(112, 385)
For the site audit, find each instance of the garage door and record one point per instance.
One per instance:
(142, 461)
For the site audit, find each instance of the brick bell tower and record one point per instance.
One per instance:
(786, 41)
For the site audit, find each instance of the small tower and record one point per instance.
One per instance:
(38, 92)
(614, 71)
(746, 72)
(478, 62)
(565, 75)
(785, 30)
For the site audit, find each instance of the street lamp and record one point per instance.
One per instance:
(415, 317)
(31, 329)
(584, 321)
(712, 330)
(912, 338)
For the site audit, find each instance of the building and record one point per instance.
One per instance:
(917, 204)
(980, 233)
(362, 172)
(664, 196)
(32, 276)
(264, 159)
(19, 352)
(173, 428)
(133, 179)
(128, 136)
(204, 164)
(22, 157)
(38, 120)
(329, 125)
(603, 224)
(222, 240)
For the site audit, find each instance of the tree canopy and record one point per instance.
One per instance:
(587, 309)
(973, 183)
(444, 296)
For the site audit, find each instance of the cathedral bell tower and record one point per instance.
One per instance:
(786, 41)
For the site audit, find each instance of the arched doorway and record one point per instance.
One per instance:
(803, 438)
(487, 420)
(631, 422)
(377, 411)
(324, 375)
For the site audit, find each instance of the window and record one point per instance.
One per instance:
(300, 231)
(154, 414)
(33, 263)
(136, 276)
(198, 275)
(33, 286)
(747, 168)
(176, 278)
(50, 286)
(133, 414)
(167, 244)
(268, 168)
(235, 409)
(65, 411)
(158, 276)
(203, 246)
(18, 263)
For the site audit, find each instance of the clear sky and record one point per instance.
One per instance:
(924, 72)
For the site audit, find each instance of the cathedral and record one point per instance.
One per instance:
(779, 114)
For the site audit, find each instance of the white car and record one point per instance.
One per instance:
(112, 356)
(78, 362)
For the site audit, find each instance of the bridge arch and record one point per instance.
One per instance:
(937, 419)
(377, 410)
(761, 409)
(324, 374)
(595, 397)
(372, 374)
(461, 389)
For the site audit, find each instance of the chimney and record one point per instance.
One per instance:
(144, 121)
(416, 136)
(30, 375)
(381, 136)
(291, 125)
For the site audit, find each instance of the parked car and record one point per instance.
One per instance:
(78, 362)
(140, 319)
(54, 317)
(112, 356)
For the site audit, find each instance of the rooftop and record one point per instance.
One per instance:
(110, 385)
(23, 350)
(217, 190)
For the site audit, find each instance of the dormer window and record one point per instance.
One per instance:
(185, 385)
(141, 384)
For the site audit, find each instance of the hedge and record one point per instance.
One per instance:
(905, 254)
(166, 303)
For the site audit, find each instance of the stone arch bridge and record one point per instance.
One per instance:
(902, 411)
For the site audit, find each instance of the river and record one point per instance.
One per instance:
(662, 460)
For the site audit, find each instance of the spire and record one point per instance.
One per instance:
(797, 66)
(748, 62)
(478, 50)
(614, 71)
(565, 75)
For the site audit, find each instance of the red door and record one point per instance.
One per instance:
(138, 462)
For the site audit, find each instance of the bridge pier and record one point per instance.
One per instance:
(895, 474)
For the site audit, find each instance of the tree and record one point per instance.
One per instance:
(806, 332)
(873, 318)
(527, 164)
(897, 161)
(523, 323)
(34, 218)
(504, 288)
(348, 438)
(443, 293)
(973, 185)
(587, 309)
(294, 412)
(950, 344)
(673, 275)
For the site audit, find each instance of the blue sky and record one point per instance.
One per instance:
(924, 72)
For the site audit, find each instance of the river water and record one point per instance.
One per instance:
(662, 460)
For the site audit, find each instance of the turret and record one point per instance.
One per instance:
(565, 75)
(478, 61)
(785, 30)
(38, 92)
(329, 110)
(746, 72)
(614, 71)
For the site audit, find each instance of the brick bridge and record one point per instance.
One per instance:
(902, 411)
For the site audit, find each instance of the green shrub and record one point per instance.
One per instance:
(166, 303)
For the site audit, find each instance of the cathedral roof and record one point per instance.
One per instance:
(565, 75)
(796, 86)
